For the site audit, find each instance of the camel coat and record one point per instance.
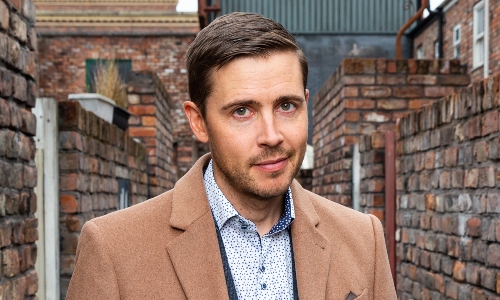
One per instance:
(166, 248)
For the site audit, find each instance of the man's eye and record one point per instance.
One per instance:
(287, 106)
(242, 111)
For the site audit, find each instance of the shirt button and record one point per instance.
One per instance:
(262, 269)
(263, 286)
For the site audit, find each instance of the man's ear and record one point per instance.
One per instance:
(196, 121)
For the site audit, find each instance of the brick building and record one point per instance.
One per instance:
(141, 35)
(468, 30)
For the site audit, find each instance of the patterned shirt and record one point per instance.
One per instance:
(261, 266)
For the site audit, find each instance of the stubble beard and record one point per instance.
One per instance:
(240, 179)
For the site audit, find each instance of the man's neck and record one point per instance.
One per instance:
(264, 213)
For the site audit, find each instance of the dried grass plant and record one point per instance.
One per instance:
(108, 83)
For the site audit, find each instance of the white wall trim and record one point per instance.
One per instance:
(47, 144)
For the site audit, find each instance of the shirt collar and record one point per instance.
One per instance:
(223, 210)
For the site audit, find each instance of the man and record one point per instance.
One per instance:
(237, 225)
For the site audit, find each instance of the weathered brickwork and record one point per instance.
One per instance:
(18, 174)
(364, 95)
(448, 180)
(93, 154)
(372, 176)
(461, 13)
(151, 122)
(63, 57)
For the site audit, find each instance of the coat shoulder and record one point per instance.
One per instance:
(137, 222)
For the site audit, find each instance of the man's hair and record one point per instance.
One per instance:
(229, 37)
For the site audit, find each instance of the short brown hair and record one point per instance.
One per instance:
(231, 36)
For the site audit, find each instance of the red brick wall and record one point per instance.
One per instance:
(462, 13)
(152, 124)
(92, 155)
(364, 95)
(448, 182)
(18, 174)
(372, 184)
(62, 63)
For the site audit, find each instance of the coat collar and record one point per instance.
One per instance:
(198, 245)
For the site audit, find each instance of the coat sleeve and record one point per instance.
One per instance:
(94, 276)
(383, 287)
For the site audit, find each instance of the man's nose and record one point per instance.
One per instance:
(269, 133)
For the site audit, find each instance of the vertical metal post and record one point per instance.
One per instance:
(390, 198)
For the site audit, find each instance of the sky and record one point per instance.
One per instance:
(192, 5)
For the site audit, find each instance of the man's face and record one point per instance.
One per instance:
(256, 124)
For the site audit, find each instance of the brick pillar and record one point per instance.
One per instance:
(151, 123)
(93, 154)
(18, 173)
(372, 159)
(364, 95)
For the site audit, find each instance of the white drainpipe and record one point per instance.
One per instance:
(486, 38)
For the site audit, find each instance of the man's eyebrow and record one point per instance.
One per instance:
(258, 104)
(241, 103)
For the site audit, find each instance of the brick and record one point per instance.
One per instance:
(359, 104)
(457, 178)
(481, 151)
(488, 279)
(391, 80)
(459, 271)
(359, 80)
(10, 262)
(32, 283)
(392, 104)
(5, 112)
(351, 116)
(450, 158)
(71, 141)
(29, 176)
(474, 227)
(487, 177)
(489, 123)
(32, 39)
(18, 28)
(493, 203)
(419, 103)
(68, 203)
(5, 76)
(471, 178)
(148, 121)
(13, 53)
(376, 92)
(28, 123)
(494, 255)
(4, 16)
(472, 128)
(376, 117)
(438, 91)
(142, 132)
(358, 66)
(142, 110)
(422, 79)
(408, 92)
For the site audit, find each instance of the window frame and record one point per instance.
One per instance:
(436, 49)
(90, 66)
(420, 52)
(456, 42)
(478, 37)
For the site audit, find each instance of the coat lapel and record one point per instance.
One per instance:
(312, 250)
(195, 252)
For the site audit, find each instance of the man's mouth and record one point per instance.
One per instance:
(272, 165)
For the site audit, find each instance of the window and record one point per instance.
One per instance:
(124, 66)
(436, 49)
(420, 52)
(478, 35)
(457, 36)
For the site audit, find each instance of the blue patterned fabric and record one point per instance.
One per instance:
(261, 267)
